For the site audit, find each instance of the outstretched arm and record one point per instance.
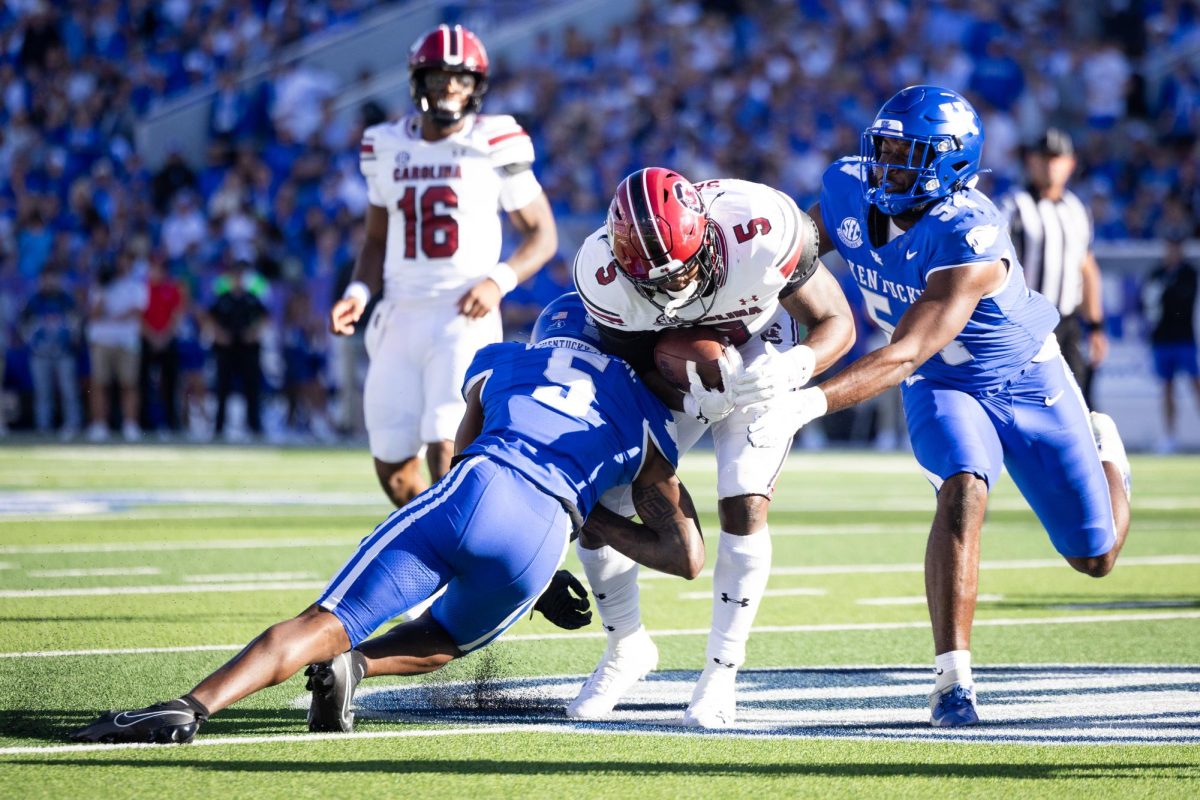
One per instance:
(929, 325)
(367, 279)
(668, 538)
(539, 241)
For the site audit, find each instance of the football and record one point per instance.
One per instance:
(678, 346)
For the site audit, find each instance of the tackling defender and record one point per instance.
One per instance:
(741, 258)
(549, 427)
(983, 382)
(434, 181)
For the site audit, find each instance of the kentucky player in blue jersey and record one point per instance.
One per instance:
(983, 383)
(549, 427)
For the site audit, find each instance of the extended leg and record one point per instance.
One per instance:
(739, 583)
(270, 659)
(951, 586)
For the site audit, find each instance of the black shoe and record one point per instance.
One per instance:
(332, 684)
(165, 723)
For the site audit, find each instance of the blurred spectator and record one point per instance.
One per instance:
(118, 299)
(238, 317)
(1052, 233)
(160, 356)
(523, 304)
(193, 357)
(304, 361)
(1169, 302)
(50, 325)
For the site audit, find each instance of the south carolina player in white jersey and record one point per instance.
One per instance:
(741, 258)
(436, 180)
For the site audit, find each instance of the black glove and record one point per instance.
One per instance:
(565, 602)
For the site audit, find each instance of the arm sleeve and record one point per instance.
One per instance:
(368, 165)
(803, 261)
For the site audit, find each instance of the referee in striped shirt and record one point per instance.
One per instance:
(1051, 230)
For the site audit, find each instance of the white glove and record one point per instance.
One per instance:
(774, 375)
(713, 405)
(780, 420)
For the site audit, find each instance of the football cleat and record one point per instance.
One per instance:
(332, 684)
(1108, 442)
(953, 707)
(625, 662)
(714, 703)
(172, 722)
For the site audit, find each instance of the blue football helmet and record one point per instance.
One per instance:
(565, 316)
(945, 138)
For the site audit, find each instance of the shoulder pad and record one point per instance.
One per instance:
(506, 142)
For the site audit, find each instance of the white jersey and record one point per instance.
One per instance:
(768, 245)
(443, 200)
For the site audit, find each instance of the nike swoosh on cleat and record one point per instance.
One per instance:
(1049, 401)
(134, 719)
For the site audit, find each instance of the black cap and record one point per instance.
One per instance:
(1054, 142)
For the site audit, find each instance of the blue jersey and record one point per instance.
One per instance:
(574, 421)
(1007, 328)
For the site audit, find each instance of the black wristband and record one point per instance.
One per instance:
(1089, 327)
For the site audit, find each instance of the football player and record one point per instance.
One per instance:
(549, 427)
(973, 349)
(435, 180)
(740, 258)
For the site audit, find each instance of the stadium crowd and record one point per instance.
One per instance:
(99, 250)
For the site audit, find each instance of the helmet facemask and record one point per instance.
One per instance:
(426, 97)
(706, 262)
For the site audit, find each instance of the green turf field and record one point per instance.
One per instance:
(126, 574)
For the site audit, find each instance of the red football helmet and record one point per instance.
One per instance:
(659, 232)
(449, 49)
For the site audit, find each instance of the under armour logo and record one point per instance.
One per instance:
(745, 601)
(744, 301)
(725, 664)
(609, 628)
(601, 596)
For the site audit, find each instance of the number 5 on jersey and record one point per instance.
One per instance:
(877, 305)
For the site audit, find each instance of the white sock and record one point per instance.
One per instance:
(739, 581)
(953, 667)
(613, 578)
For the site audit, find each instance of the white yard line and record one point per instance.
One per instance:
(1079, 619)
(838, 569)
(189, 588)
(800, 592)
(243, 577)
(876, 569)
(920, 600)
(280, 543)
(98, 572)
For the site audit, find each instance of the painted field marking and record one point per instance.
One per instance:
(97, 572)
(187, 588)
(837, 569)
(798, 592)
(1080, 619)
(1034, 704)
(243, 577)
(186, 544)
(876, 569)
(919, 601)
